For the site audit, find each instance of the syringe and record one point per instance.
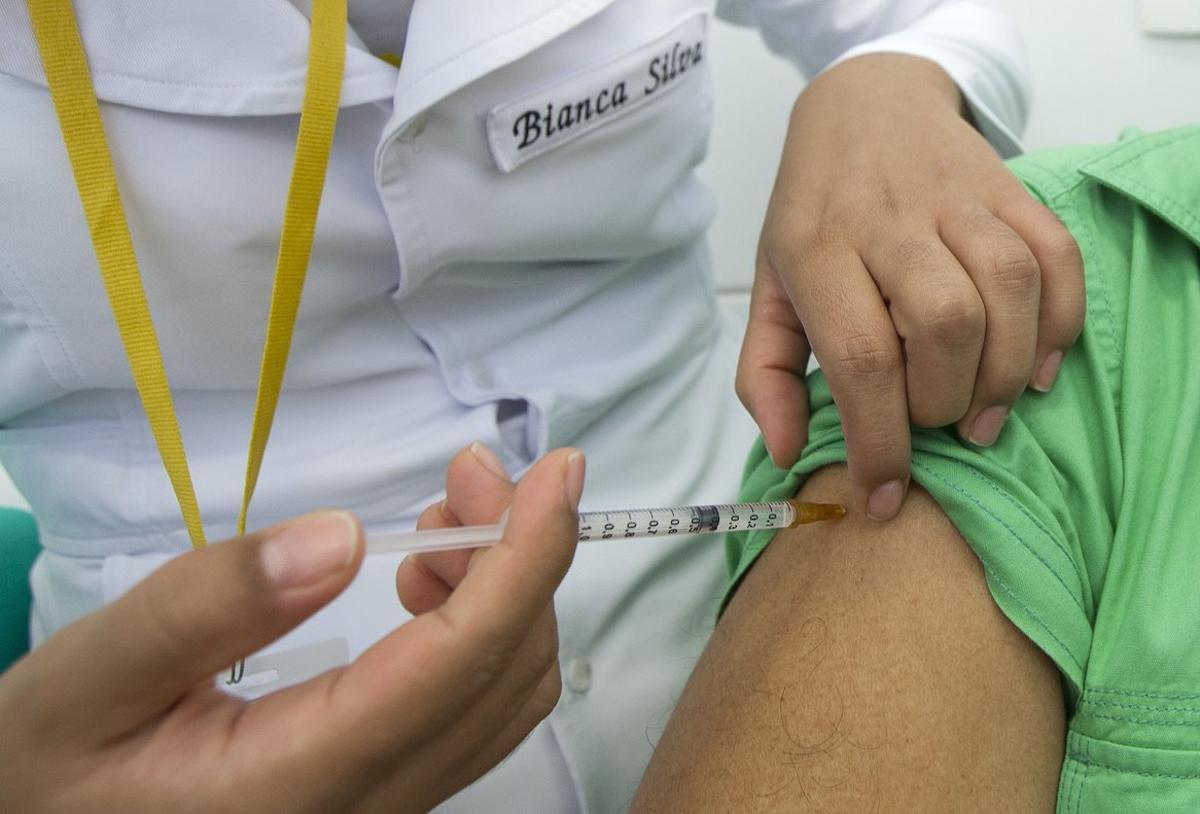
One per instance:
(626, 523)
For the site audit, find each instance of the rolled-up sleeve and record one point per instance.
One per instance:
(972, 40)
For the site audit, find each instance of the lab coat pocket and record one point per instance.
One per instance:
(525, 128)
(581, 152)
(34, 359)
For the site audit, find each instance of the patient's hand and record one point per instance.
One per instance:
(899, 249)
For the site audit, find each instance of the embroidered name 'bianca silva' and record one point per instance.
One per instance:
(528, 127)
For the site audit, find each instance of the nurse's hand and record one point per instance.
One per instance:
(897, 247)
(118, 712)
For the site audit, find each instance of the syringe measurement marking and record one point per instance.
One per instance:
(727, 517)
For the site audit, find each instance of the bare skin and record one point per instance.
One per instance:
(900, 251)
(864, 667)
(118, 712)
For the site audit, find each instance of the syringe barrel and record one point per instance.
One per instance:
(610, 525)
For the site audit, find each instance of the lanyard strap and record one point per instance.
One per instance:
(78, 110)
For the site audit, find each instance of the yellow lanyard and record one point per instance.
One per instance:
(74, 97)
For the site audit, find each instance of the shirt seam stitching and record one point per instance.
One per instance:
(50, 326)
(963, 492)
(229, 86)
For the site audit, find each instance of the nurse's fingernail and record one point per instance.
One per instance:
(489, 460)
(987, 426)
(1047, 372)
(307, 551)
(884, 503)
(573, 484)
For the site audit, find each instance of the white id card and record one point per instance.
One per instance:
(265, 673)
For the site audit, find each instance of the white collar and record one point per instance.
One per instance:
(216, 57)
(248, 57)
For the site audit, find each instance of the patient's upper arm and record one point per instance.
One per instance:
(864, 667)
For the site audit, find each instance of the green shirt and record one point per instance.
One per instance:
(1086, 512)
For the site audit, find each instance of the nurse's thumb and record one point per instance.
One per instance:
(207, 609)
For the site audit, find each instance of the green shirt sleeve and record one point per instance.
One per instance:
(1086, 512)
(1039, 506)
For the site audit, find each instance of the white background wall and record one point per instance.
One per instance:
(1094, 70)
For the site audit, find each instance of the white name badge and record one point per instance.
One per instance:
(525, 128)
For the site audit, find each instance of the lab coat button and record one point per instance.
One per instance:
(578, 675)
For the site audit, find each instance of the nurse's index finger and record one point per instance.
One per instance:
(472, 638)
(509, 585)
(478, 488)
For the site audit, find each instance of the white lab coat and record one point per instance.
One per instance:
(486, 266)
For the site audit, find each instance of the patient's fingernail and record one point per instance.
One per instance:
(489, 460)
(987, 426)
(573, 485)
(884, 503)
(1047, 372)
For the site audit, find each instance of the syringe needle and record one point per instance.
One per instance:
(815, 512)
